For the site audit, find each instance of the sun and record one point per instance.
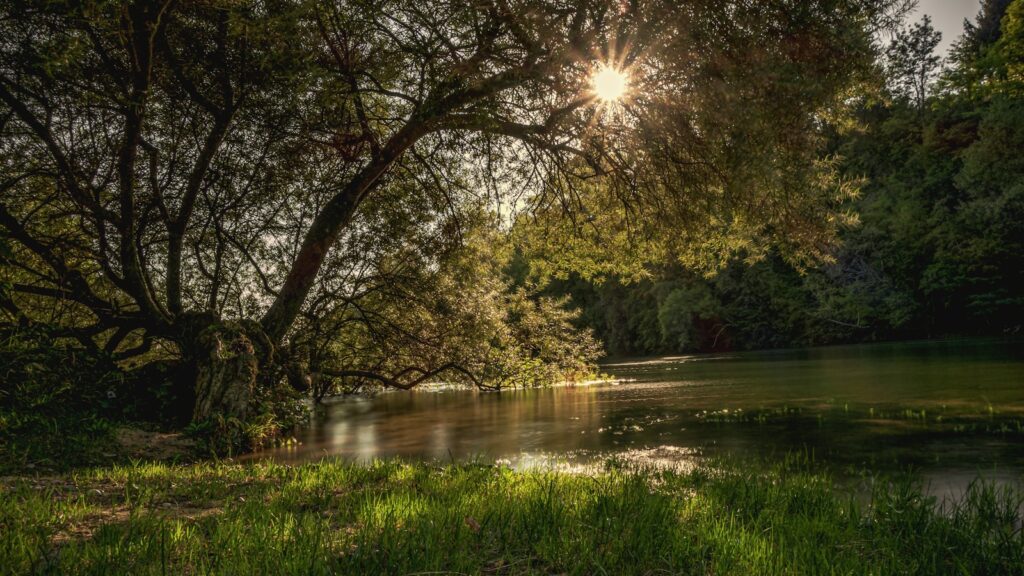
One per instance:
(609, 84)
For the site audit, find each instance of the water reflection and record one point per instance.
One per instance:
(947, 410)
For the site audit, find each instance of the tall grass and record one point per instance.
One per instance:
(398, 518)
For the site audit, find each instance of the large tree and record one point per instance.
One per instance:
(912, 63)
(197, 175)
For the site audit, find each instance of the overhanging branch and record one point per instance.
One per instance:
(398, 382)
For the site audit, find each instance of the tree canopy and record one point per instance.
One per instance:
(933, 243)
(255, 190)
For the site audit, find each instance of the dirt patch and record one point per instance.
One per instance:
(84, 528)
(148, 445)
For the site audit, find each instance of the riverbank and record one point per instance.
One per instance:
(399, 518)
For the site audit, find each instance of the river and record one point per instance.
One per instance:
(946, 411)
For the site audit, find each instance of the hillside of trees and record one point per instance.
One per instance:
(934, 245)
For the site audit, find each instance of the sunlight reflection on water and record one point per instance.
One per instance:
(948, 411)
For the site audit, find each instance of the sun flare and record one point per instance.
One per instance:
(609, 83)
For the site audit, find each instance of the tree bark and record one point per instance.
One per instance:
(325, 230)
(227, 363)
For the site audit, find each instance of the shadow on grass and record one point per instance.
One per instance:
(396, 518)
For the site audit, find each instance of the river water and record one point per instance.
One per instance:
(947, 411)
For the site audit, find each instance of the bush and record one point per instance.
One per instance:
(57, 402)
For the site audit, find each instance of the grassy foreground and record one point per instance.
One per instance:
(397, 518)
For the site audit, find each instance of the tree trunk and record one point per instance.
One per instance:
(232, 368)
(226, 369)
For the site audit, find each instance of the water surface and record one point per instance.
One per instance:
(948, 411)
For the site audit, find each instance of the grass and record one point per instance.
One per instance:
(400, 518)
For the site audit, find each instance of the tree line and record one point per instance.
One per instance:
(934, 245)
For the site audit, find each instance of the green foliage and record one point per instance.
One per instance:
(679, 312)
(912, 62)
(395, 518)
(935, 239)
(1010, 46)
(983, 32)
(57, 402)
(455, 305)
(543, 344)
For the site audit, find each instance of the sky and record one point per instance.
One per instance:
(947, 17)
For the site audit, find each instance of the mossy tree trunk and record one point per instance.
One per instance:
(226, 371)
(228, 359)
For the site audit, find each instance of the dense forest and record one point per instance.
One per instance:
(934, 245)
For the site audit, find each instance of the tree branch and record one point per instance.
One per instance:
(395, 381)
